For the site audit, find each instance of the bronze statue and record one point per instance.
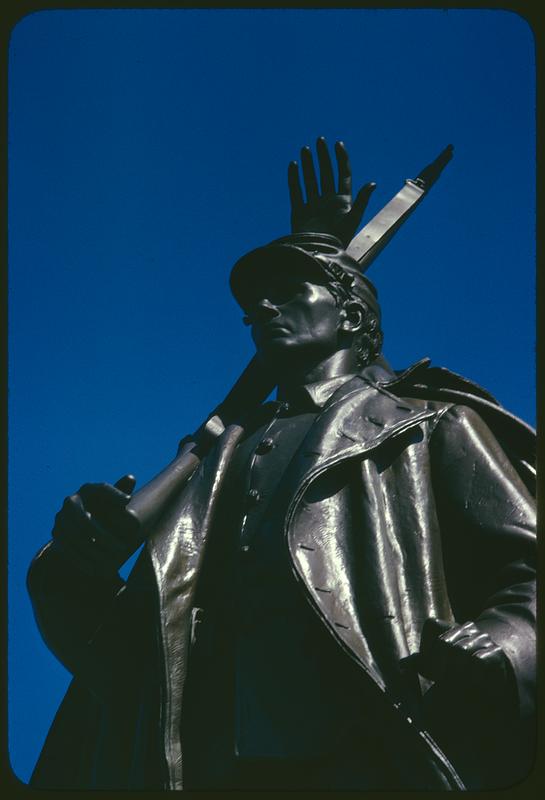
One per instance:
(336, 589)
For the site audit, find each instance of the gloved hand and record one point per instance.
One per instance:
(95, 529)
(329, 211)
(463, 656)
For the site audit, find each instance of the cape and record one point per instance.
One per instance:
(69, 745)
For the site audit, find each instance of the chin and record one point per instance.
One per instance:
(277, 350)
(272, 351)
(277, 344)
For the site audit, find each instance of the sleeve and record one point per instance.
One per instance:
(92, 624)
(488, 525)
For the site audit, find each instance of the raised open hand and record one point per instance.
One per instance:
(326, 210)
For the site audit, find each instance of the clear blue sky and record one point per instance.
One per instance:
(148, 151)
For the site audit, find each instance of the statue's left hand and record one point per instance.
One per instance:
(463, 656)
(326, 210)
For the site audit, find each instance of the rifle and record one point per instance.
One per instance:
(256, 383)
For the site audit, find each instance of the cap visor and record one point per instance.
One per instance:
(254, 271)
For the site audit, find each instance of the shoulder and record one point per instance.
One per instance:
(462, 410)
(449, 422)
(457, 416)
(460, 426)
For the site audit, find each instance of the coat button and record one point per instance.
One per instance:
(253, 497)
(264, 446)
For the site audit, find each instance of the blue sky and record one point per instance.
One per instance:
(148, 151)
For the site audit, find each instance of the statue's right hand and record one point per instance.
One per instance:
(95, 528)
(326, 210)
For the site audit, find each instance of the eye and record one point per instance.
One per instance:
(246, 320)
(286, 292)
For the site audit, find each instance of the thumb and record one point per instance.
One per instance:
(362, 198)
(432, 654)
(126, 484)
(432, 630)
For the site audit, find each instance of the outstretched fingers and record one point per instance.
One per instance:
(327, 179)
(294, 185)
(362, 198)
(343, 166)
(309, 175)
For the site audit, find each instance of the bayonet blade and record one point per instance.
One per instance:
(373, 237)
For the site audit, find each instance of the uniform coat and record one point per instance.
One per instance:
(401, 506)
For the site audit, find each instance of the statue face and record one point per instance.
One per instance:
(292, 316)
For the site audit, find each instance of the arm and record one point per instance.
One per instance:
(73, 581)
(487, 518)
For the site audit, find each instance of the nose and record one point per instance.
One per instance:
(268, 306)
(264, 310)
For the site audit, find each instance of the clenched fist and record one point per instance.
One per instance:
(95, 528)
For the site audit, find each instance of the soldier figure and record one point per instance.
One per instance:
(340, 592)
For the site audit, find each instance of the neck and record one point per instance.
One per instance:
(293, 375)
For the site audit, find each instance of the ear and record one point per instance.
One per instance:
(353, 316)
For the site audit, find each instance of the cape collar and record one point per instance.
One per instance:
(319, 393)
